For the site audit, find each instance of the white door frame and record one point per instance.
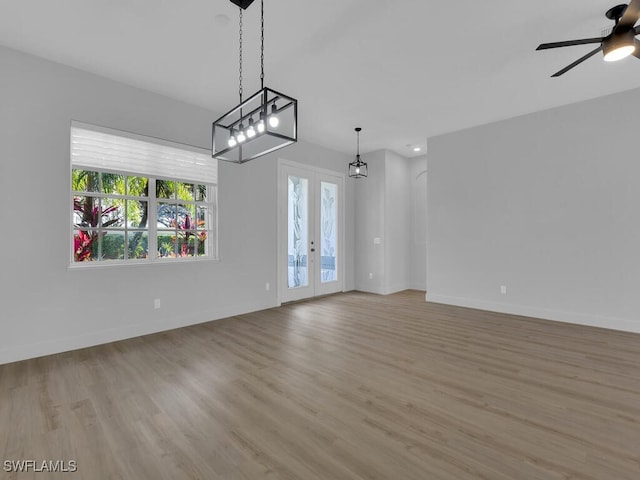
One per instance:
(282, 220)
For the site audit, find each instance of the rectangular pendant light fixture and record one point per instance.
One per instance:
(261, 124)
(264, 123)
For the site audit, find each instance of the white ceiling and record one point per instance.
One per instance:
(403, 70)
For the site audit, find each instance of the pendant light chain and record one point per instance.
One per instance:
(240, 78)
(262, 43)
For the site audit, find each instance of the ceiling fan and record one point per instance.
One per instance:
(618, 44)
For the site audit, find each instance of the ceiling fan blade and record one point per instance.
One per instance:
(637, 29)
(577, 62)
(568, 43)
(630, 16)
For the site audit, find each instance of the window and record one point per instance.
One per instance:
(140, 200)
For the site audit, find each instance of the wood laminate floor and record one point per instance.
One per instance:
(351, 386)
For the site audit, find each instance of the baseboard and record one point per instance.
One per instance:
(369, 289)
(59, 345)
(612, 323)
(399, 287)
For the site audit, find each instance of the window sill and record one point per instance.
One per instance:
(132, 263)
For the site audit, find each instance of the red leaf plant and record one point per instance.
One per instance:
(91, 217)
(185, 232)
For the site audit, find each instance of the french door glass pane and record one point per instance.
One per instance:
(298, 227)
(329, 232)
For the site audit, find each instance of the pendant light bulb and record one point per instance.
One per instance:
(261, 126)
(251, 132)
(232, 139)
(241, 136)
(274, 121)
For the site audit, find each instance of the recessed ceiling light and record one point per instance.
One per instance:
(416, 149)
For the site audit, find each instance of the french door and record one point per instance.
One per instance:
(310, 227)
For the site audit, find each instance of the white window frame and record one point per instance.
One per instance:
(196, 161)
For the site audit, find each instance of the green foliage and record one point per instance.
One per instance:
(113, 247)
(93, 213)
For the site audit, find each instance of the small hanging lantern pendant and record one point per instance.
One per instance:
(358, 168)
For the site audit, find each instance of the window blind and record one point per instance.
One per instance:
(98, 148)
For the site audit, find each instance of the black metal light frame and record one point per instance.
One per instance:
(358, 168)
(256, 108)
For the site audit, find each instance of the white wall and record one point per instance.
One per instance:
(418, 186)
(384, 210)
(398, 225)
(370, 224)
(46, 307)
(546, 204)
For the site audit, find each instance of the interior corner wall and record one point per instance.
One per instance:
(398, 225)
(418, 242)
(370, 225)
(546, 205)
(383, 224)
(49, 308)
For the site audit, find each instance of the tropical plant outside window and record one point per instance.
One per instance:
(128, 218)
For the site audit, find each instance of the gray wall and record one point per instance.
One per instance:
(545, 204)
(369, 223)
(398, 225)
(49, 308)
(384, 210)
(418, 186)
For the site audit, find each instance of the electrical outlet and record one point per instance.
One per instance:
(156, 303)
(503, 289)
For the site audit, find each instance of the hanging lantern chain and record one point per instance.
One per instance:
(240, 77)
(262, 43)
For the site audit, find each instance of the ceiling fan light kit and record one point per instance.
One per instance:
(619, 46)
(263, 123)
(620, 43)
